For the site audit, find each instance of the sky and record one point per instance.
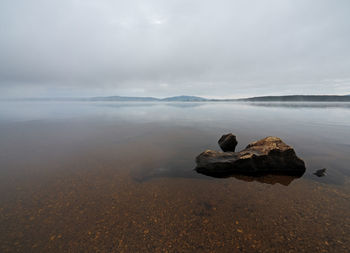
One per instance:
(214, 49)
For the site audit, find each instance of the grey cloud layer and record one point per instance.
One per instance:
(161, 48)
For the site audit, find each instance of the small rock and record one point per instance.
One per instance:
(320, 173)
(228, 142)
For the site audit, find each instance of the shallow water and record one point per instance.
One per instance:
(118, 177)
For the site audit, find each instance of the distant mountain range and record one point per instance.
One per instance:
(300, 98)
(289, 98)
(151, 99)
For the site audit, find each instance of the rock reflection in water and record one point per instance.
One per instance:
(166, 172)
(268, 179)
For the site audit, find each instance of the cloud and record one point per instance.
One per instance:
(221, 48)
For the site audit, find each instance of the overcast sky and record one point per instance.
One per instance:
(221, 48)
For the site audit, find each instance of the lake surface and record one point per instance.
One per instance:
(118, 177)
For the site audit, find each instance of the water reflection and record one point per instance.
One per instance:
(150, 104)
(320, 135)
(146, 175)
(296, 105)
(266, 179)
(82, 177)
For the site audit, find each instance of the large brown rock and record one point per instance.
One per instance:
(267, 156)
(228, 142)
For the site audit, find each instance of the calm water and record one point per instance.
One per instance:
(118, 177)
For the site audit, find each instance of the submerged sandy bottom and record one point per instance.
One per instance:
(106, 211)
(93, 185)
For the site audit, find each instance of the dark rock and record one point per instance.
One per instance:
(267, 156)
(320, 173)
(228, 142)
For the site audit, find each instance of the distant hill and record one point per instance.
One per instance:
(299, 98)
(184, 99)
(150, 99)
(124, 99)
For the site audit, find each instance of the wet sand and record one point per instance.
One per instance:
(79, 186)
